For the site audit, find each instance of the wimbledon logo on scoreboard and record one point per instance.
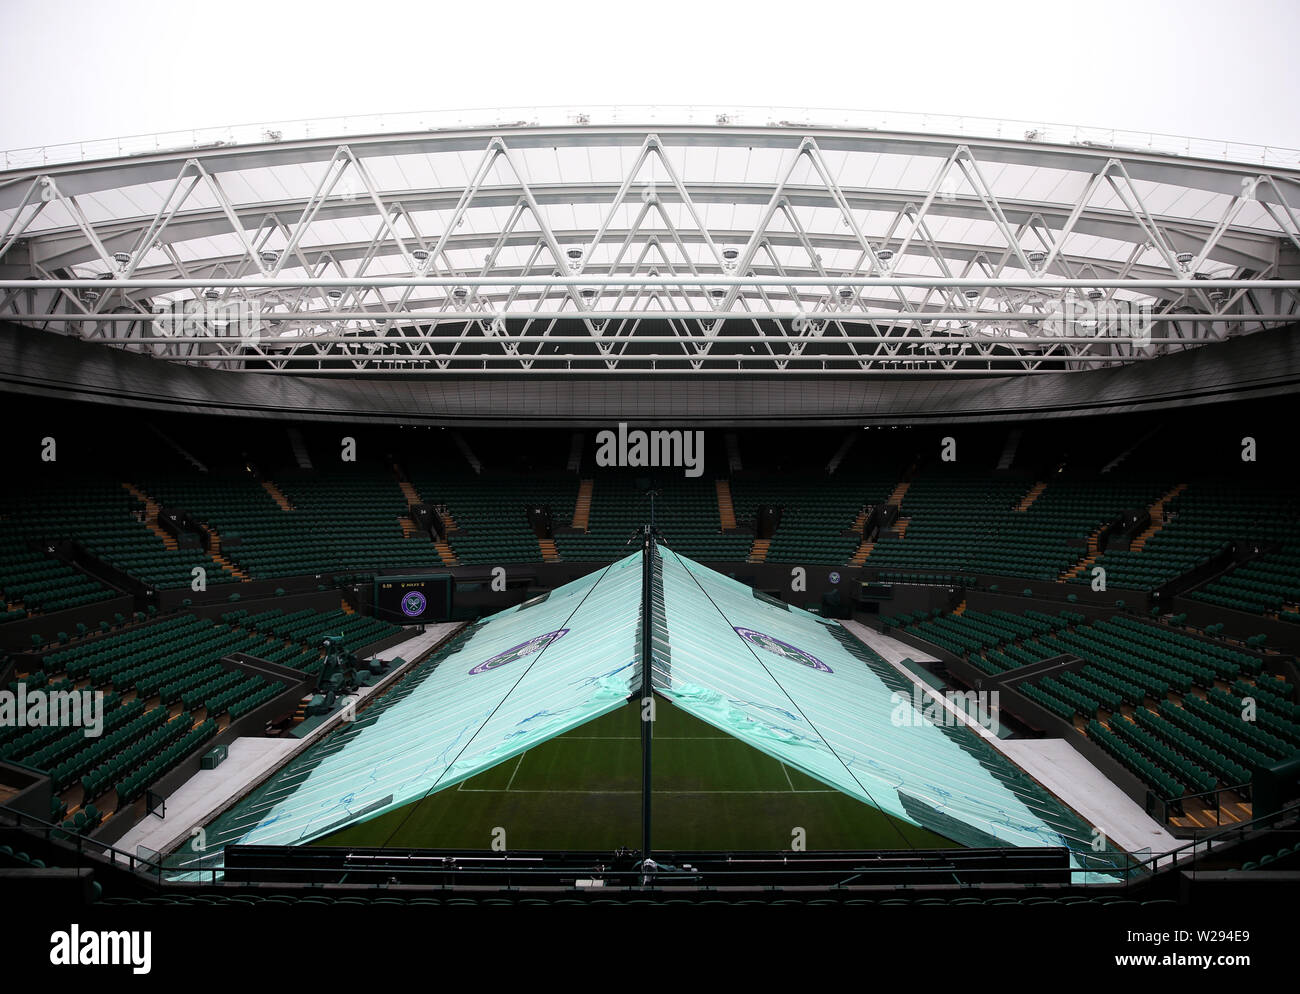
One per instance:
(414, 603)
(519, 651)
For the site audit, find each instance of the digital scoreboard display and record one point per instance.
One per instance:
(413, 600)
(876, 591)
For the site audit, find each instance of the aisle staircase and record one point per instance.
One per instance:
(299, 447)
(218, 557)
(1035, 492)
(733, 453)
(1008, 455)
(582, 506)
(576, 443)
(726, 509)
(411, 496)
(1094, 550)
(860, 522)
(1158, 520)
(277, 495)
(409, 492)
(151, 508)
(860, 554)
(445, 553)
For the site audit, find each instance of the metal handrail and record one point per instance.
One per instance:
(1139, 868)
(1152, 863)
(81, 844)
(1167, 803)
(663, 115)
(161, 872)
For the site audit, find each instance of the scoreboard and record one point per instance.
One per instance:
(413, 600)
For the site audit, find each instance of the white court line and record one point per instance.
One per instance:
(498, 790)
(657, 738)
(786, 771)
(516, 769)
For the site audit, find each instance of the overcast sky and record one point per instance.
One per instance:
(81, 70)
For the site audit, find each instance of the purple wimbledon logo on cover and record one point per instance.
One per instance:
(523, 649)
(783, 649)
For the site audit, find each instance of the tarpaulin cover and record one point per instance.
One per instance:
(520, 677)
(801, 689)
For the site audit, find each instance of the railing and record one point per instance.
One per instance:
(1136, 867)
(83, 846)
(1171, 806)
(1204, 844)
(209, 868)
(663, 115)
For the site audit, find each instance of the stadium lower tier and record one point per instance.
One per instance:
(164, 687)
(766, 714)
(1187, 715)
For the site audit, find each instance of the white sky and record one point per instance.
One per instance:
(81, 70)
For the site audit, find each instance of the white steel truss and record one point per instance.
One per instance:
(782, 258)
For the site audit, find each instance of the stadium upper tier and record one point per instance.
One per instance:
(202, 513)
(62, 553)
(653, 240)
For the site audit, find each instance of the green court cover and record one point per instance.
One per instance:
(513, 681)
(803, 690)
(796, 686)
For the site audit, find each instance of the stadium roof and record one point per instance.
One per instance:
(651, 240)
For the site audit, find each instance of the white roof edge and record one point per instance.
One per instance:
(650, 115)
